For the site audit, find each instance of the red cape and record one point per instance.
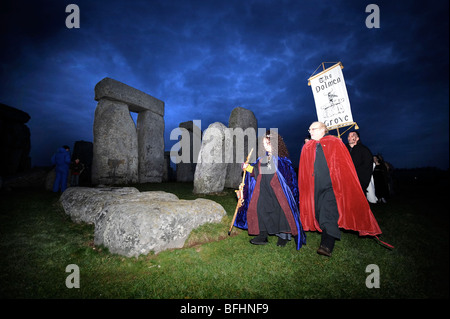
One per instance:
(354, 210)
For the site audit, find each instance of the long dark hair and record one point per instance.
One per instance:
(282, 149)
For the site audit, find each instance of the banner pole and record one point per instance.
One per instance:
(354, 124)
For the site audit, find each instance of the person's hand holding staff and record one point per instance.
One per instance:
(240, 192)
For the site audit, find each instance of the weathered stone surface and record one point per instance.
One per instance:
(131, 223)
(245, 120)
(137, 100)
(185, 171)
(15, 143)
(115, 159)
(82, 204)
(168, 172)
(150, 135)
(122, 152)
(211, 164)
(132, 229)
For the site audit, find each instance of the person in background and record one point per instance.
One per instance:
(330, 193)
(62, 161)
(76, 168)
(381, 179)
(370, 192)
(362, 159)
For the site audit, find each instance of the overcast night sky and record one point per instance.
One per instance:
(204, 58)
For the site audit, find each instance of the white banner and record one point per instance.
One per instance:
(330, 95)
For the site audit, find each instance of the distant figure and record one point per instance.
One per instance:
(370, 193)
(362, 159)
(330, 193)
(76, 168)
(381, 179)
(62, 161)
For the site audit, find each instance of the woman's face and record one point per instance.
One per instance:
(267, 145)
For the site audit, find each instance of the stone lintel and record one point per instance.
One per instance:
(136, 100)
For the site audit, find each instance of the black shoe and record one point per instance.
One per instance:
(327, 242)
(324, 251)
(261, 239)
(282, 242)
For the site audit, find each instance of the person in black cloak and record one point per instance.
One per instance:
(270, 196)
(362, 159)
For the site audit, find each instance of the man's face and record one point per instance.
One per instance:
(352, 138)
(316, 131)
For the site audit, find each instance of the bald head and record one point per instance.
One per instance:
(317, 130)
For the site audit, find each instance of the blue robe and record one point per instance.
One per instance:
(288, 181)
(62, 161)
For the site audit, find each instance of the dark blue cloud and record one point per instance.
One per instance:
(203, 58)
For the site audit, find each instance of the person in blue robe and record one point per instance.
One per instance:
(270, 196)
(62, 161)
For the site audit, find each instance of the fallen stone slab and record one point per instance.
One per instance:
(82, 204)
(131, 223)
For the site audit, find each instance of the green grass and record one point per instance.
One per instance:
(38, 241)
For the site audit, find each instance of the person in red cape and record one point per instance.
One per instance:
(330, 193)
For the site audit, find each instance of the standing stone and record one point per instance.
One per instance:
(15, 142)
(185, 171)
(166, 167)
(245, 120)
(122, 153)
(150, 134)
(115, 145)
(211, 164)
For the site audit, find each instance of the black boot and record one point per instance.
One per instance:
(326, 244)
(282, 242)
(261, 239)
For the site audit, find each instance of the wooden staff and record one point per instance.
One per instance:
(241, 188)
